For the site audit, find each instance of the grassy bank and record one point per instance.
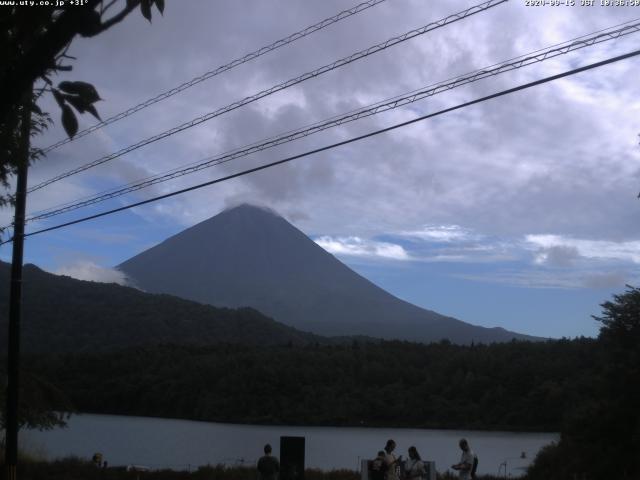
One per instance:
(78, 469)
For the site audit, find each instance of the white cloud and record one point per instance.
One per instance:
(356, 246)
(473, 255)
(90, 271)
(441, 233)
(626, 251)
(457, 244)
(554, 279)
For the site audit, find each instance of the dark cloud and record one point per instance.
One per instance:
(560, 158)
(607, 280)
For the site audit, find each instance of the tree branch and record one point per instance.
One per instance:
(131, 5)
(107, 7)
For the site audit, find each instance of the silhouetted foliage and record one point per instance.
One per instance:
(33, 46)
(37, 398)
(601, 436)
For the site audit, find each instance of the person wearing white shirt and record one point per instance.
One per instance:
(391, 461)
(465, 465)
(414, 467)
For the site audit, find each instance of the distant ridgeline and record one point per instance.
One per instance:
(61, 314)
(513, 386)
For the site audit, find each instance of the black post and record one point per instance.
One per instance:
(15, 298)
(292, 451)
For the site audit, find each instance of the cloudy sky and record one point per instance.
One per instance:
(519, 212)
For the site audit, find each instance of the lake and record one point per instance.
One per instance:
(183, 444)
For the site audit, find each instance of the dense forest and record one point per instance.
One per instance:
(515, 386)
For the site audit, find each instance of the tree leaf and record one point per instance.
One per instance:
(160, 5)
(81, 105)
(91, 24)
(85, 90)
(69, 121)
(145, 8)
(78, 103)
(92, 110)
(67, 87)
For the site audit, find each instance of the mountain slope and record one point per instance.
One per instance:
(61, 314)
(249, 256)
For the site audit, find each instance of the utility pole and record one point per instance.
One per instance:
(15, 296)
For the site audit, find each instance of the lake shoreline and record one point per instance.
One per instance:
(174, 444)
(503, 428)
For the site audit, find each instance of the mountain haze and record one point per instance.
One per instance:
(250, 256)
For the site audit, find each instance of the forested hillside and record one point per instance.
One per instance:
(62, 314)
(517, 385)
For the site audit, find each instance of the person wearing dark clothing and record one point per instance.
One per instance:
(268, 465)
(379, 466)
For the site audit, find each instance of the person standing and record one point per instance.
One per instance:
(268, 465)
(414, 467)
(465, 466)
(379, 467)
(390, 460)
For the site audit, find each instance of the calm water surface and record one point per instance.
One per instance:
(182, 444)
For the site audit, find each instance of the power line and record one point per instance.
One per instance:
(282, 86)
(609, 33)
(338, 144)
(389, 104)
(221, 69)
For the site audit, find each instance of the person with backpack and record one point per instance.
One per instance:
(468, 463)
(379, 467)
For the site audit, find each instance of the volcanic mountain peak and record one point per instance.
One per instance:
(246, 207)
(250, 256)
